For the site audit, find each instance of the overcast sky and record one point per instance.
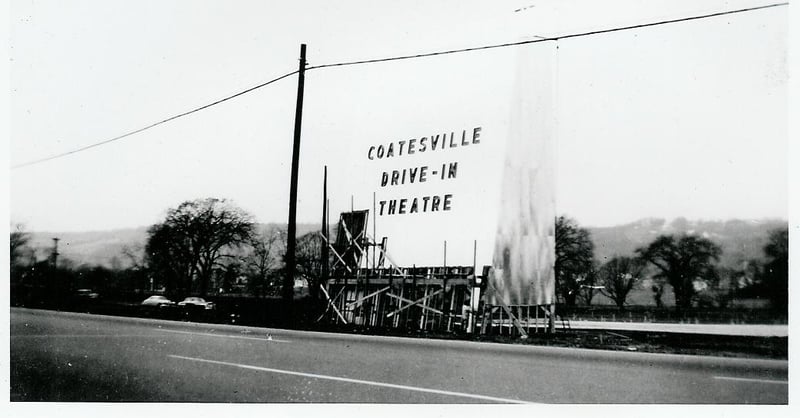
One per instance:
(687, 119)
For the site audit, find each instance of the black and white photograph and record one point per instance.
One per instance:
(260, 207)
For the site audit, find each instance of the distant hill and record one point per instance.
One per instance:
(740, 239)
(93, 248)
(105, 248)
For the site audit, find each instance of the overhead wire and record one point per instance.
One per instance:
(547, 38)
(153, 125)
(403, 57)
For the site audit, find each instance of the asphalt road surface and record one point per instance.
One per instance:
(59, 356)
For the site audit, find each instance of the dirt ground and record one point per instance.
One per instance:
(637, 341)
(651, 342)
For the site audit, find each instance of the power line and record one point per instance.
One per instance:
(153, 125)
(666, 22)
(547, 39)
(405, 57)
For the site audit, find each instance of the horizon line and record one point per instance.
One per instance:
(645, 218)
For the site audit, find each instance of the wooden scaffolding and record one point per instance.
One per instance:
(365, 288)
(423, 298)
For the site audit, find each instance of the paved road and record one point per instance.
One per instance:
(78, 357)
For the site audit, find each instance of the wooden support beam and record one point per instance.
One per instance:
(514, 321)
(423, 318)
(550, 315)
(501, 322)
(335, 309)
(340, 296)
(346, 230)
(484, 320)
(336, 254)
(376, 306)
(382, 247)
(363, 298)
(402, 293)
(354, 241)
(387, 257)
(330, 303)
(413, 303)
(528, 318)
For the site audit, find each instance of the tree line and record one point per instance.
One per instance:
(202, 247)
(687, 263)
(210, 247)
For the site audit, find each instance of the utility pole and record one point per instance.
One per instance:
(55, 252)
(324, 252)
(291, 239)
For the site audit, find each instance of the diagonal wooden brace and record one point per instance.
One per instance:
(362, 299)
(514, 320)
(331, 302)
(336, 254)
(386, 255)
(325, 292)
(353, 241)
(413, 303)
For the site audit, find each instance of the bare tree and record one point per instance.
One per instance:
(682, 261)
(189, 244)
(658, 294)
(309, 261)
(588, 285)
(263, 261)
(135, 255)
(776, 269)
(618, 277)
(574, 258)
(19, 239)
(138, 272)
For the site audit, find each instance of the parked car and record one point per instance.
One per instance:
(193, 302)
(85, 299)
(86, 294)
(158, 301)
